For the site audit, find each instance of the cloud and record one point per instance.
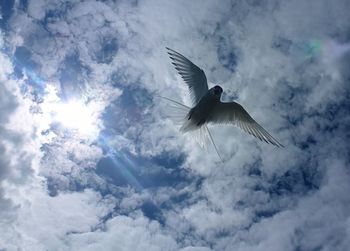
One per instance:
(139, 184)
(16, 155)
(149, 235)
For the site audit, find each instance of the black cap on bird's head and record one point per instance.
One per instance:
(217, 90)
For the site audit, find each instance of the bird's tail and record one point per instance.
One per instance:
(214, 145)
(180, 113)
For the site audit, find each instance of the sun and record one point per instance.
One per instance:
(77, 116)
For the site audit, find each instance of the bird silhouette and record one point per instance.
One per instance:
(207, 106)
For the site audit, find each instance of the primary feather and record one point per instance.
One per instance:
(193, 76)
(234, 113)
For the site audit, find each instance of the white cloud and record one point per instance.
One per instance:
(261, 198)
(69, 214)
(125, 233)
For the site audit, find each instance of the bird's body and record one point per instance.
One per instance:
(207, 106)
(200, 113)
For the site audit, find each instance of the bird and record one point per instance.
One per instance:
(207, 105)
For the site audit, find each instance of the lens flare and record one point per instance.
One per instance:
(328, 50)
(313, 48)
(333, 51)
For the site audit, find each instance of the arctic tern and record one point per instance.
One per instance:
(207, 106)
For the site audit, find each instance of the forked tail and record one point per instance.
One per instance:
(182, 116)
(212, 141)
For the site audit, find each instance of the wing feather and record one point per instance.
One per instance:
(193, 76)
(234, 113)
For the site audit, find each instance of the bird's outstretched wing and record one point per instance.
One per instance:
(234, 113)
(193, 76)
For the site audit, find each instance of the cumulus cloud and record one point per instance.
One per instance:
(138, 184)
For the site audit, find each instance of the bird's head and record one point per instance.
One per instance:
(216, 91)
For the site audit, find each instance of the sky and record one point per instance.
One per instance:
(91, 159)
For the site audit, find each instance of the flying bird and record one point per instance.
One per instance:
(207, 106)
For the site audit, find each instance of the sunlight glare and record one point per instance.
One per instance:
(76, 115)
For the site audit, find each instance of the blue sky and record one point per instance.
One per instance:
(90, 158)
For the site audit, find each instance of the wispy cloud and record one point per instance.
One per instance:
(139, 184)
